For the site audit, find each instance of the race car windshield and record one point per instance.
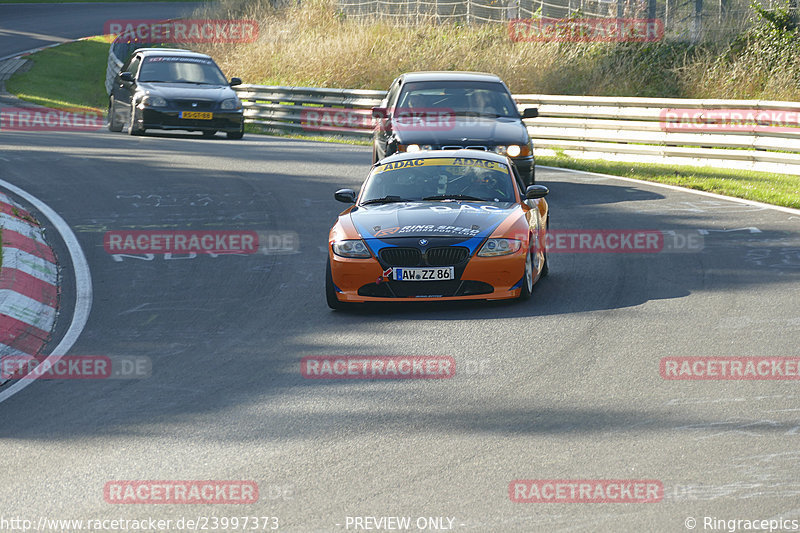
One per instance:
(488, 99)
(440, 180)
(194, 70)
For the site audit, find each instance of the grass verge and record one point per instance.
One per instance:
(776, 189)
(314, 43)
(67, 76)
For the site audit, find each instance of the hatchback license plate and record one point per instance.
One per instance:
(197, 115)
(423, 274)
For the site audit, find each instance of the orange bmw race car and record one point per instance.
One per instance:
(438, 225)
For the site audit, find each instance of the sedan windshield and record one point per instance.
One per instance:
(175, 69)
(460, 98)
(439, 180)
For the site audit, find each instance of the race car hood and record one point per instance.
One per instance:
(188, 91)
(465, 223)
(466, 131)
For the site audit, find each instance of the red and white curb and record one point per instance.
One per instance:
(28, 283)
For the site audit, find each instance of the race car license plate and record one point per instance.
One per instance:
(423, 274)
(197, 115)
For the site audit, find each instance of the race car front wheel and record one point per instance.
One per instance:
(133, 127)
(527, 281)
(236, 135)
(545, 264)
(113, 121)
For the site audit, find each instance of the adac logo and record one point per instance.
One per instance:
(387, 231)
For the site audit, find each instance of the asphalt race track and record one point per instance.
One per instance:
(565, 386)
(27, 26)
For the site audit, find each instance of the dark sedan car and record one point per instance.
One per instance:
(451, 111)
(172, 89)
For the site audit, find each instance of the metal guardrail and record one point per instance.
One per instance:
(112, 68)
(638, 129)
(619, 128)
(311, 110)
(614, 128)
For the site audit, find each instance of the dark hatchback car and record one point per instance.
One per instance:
(173, 89)
(451, 111)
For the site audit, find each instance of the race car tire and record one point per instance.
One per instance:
(236, 135)
(545, 265)
(133, 129)
(113, 123)
(330, 291)
(527, 280)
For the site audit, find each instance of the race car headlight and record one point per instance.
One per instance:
(413, 147)
(351, 248)
(513, 150)
(152, 100)
(230, 104)
(495, 247)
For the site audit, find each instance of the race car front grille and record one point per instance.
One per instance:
(199, 104)
(411, 257)
(446, 255)
(459, 147)
(401, 257)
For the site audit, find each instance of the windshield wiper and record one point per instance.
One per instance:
(455, 197)
(385, 200)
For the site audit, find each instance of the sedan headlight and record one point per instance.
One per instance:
(230, 104)
(152, 100)
(513, 150)
(413, 147)
(496, 247)
(351, 248)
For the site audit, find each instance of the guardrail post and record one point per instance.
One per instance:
(698, 20)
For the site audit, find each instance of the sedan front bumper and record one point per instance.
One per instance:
(227, 121)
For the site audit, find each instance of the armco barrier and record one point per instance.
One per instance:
(614, 128)
(647, 129)
(340, 111)
(619, 128)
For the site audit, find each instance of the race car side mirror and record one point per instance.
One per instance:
(347, 196)
(235, 81)
(378, 112)
(530, 112)
(536, 191)
(126, 76)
